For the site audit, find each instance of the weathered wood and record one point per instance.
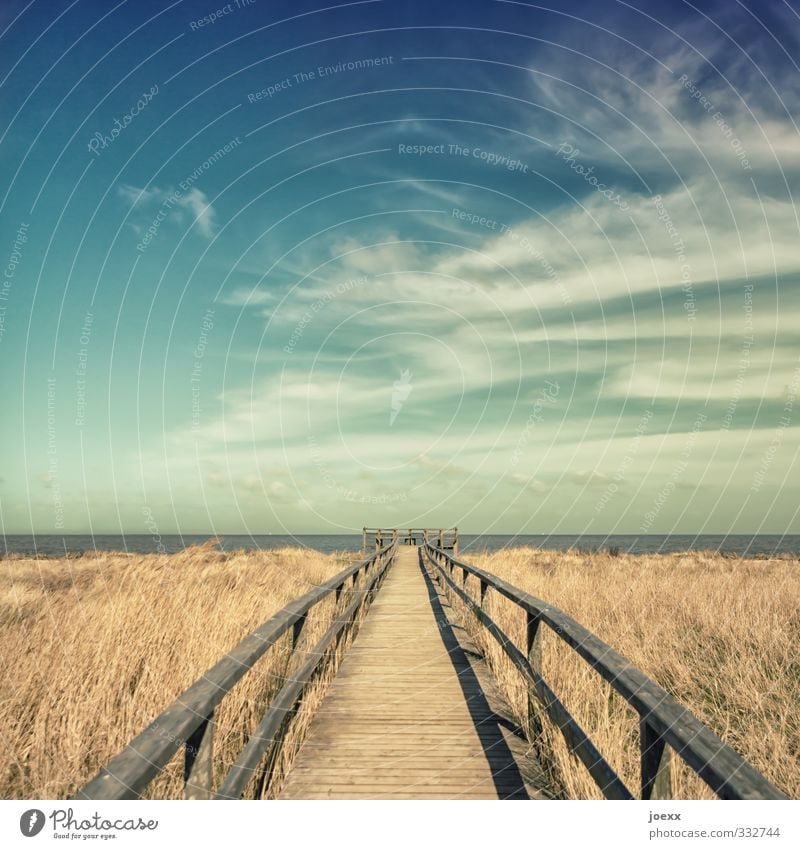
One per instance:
(725, 771)
(413, 718)
(272, 727)
(533, 642)
(582, 747)
(199, 761)
(655, 764)
(445, 538)
(405, 716)
(533, 649)
(297, 630)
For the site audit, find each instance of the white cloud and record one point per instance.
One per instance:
(149, 202)
(596, 252)
(197, 204)
(244, 297)
(638, 112)
(528, 482)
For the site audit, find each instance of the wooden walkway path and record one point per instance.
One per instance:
(411, 714)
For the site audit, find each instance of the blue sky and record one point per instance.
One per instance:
(277, 267)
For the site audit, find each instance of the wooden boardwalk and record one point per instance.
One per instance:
(412, 713)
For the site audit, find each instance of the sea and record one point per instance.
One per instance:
(760, 545)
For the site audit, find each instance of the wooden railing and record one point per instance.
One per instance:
(375, 538)
(189, 722)
(665, 726)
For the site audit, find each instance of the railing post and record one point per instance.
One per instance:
(363, 542)
(297, 630)
(656, 766)
(455, 542)
(434, 572)
(484, 588)
(533, 642)
(199, 761)
(439, 545)
(533, 650)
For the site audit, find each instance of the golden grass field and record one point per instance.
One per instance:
(93, 648)
(719, 634)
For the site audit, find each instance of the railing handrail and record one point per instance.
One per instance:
(661, 715)
(403, 529)
(127, 774)
(269, 729)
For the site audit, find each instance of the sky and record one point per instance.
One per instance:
(301, 268)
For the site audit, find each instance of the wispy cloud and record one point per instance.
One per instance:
(152, 201)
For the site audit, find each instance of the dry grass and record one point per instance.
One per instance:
(93, 648)
(719, 634)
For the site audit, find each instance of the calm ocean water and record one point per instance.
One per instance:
(762, 544)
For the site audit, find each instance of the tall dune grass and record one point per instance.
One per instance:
(93, 648)
(719, 634)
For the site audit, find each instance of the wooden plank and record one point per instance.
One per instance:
(405, 716)
(418, 791)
